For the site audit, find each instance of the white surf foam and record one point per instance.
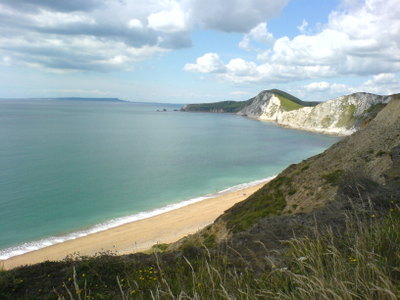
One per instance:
(45, 242)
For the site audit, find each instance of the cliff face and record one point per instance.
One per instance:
(341, 116)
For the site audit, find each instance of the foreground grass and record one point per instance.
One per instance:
(362, 263)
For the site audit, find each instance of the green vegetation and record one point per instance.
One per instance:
(380, 153)
(268, 201)
(361, 263)
(293, 98)
(334, 177)
(305, 167)
(224, 106)
(374, 109)
(326, 122)
(287, 104)
(368, 115)
(347, 116)
(159, 247)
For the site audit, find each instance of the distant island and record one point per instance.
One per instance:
(70, 99)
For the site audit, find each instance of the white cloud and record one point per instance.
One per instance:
(382, 84)
(383, 78)
(135, 24)
(240, 67)
(39, 33)
(258, 34)
(77, 36)
(208, 63)
(73, 53)
(303, 27)
(323, 86)
(172, 20)
(53, 19)
(385, 83)
(317, 86)
(361, 39)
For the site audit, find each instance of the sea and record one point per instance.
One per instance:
(71, 168)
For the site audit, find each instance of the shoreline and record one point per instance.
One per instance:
(165, 225)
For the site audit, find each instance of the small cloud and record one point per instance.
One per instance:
(303, 27)
(383, 78)
(385, 84)
(324, 86)
(168, 21)
(135, 24)
(258, 34)
(317, 86)
(208, 63)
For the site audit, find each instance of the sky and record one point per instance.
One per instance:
(190, 51)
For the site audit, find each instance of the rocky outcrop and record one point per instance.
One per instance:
(340, 116)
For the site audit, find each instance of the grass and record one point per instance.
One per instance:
(333, 178)
(347, 116)
(380, 153)
(267, 201)
(363, 262)
(305, 167)
(159, 248)
(287, 104)
(293, 98)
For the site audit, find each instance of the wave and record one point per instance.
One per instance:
(49, 241)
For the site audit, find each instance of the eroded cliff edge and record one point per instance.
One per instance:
(339, 116)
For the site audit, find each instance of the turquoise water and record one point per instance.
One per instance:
(70, 165)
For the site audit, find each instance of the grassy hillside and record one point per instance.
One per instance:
(325, 228)
(291, 98)
(361, 263)
(289, 102)
(288, 105)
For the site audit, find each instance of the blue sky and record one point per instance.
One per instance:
(186, 51)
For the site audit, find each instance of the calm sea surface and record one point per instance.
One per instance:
(68, 166)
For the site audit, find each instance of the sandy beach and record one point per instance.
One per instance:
(139, 235)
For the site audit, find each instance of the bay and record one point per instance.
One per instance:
(69, 165)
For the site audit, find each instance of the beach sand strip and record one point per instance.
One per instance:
(139, 235)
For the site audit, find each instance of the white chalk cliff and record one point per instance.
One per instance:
(340, 116)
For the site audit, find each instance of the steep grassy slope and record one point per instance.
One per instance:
(314, 183)
(292, 98)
